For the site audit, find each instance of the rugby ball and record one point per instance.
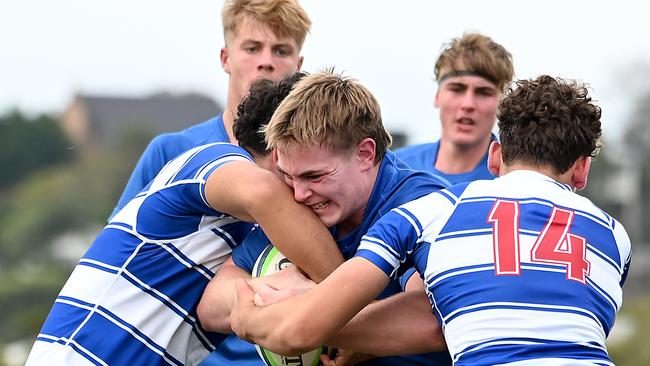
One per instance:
(269, 262)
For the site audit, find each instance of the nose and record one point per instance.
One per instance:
(301, 191)
(469, 101)
(266, 63)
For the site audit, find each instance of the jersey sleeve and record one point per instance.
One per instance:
(404, 279)
(389, 240)
(393, 240)
(195, 167)
(174, 203)
(245, 255)
(625, 249)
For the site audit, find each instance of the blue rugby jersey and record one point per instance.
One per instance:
(164, 148)
(519, 270)
(132, 298)
(396, 184)
(423, 157)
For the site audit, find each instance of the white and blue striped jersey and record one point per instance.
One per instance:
(132, 298)
(519, 270)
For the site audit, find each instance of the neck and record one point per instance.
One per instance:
(228, 117)
(564, 178)
(457, 159)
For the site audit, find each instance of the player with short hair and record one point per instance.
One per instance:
(133, 297)
(332, 149)
(263, 39)
(254, 111)
(519, 270)
(472, 72)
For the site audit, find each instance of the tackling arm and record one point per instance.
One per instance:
(248, 192)
(219, 296)
(303, 322)
(406, 317)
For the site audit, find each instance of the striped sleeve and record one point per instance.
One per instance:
(393, 238)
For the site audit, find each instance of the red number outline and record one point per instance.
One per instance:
(554, 245)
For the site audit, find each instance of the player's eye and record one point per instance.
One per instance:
(486, 92)
(283, 51)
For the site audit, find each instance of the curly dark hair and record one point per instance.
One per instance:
(256, 109)
(548, 122)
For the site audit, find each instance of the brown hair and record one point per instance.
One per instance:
(548, 122)
(329, 110)
(478, 54)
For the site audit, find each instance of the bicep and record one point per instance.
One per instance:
(232, 187)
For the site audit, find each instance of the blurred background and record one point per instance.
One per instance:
(84, 85)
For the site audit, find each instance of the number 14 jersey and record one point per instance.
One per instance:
(519, 270)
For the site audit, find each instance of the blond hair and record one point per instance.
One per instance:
(284, 17)
(477, 54)
(328, 110)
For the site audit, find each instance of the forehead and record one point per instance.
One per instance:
(296, 160)
(251, 29)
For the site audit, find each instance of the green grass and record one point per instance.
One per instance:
(629, 343)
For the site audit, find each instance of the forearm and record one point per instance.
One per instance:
(219, 297)
(299, 235)
(304, 322)
(293, 228)
(270, 326)
(407, 317)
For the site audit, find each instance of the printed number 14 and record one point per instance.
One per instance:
(554, 244)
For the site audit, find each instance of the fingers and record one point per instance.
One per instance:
(244, 292)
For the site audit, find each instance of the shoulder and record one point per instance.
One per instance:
(218, 151)
(208, 131)
(398, 183)
(414, 150)
(169, 145)
(412, 177)
(199, 162)
(173, 143)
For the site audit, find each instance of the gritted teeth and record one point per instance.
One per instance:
(319, 206)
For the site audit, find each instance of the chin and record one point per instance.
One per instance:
(328, 219)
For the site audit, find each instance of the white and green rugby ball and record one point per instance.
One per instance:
(269, 262)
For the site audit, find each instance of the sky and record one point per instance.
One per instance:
(52, 50)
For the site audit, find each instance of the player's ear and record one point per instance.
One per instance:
(225, 60)
(299, 64)
(494, 158)
(365, 152)
(581, 172)
(436, 104)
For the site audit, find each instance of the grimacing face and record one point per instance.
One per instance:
(334, 185)
(254, 52)
(468, 106)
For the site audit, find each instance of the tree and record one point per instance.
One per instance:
(29, 144)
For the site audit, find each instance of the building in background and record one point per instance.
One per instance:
(92, 121)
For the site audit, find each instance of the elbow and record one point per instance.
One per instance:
(429, 336)
(434, 340)
(212, 321)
